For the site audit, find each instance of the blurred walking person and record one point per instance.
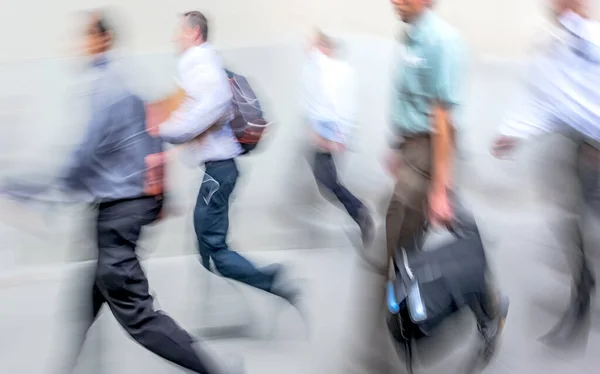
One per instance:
(118, 167)
(562, 95)
(428, 93)
(202, 124)
(330, 108)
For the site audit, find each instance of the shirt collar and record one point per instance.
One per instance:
(416, 30)
(583, 35)
(195, 48)
(100, 60)
(573, 23)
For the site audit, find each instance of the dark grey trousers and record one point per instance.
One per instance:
(121, 284)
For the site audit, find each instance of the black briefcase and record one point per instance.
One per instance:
(431, 286)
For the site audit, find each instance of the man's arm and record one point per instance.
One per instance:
(447, 78)
(442, 147)
(532, 117)
(212, 109)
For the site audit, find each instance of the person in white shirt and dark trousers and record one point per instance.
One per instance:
(330, 107)
(201, 123)
(563, 96)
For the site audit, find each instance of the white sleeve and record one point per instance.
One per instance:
(533, 114)
(211, 97)
(531, 118)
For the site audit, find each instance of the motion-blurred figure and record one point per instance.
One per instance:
(201, 122)
(330, 106)
(119, 167)
(562, 95)
(428, 93)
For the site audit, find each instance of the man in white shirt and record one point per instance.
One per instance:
(330, 108)
(562, 95)
(201, 123)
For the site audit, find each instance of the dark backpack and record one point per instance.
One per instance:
(248, 122)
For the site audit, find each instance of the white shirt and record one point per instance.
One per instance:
(563, 86)
(208, 100)
(329, 94)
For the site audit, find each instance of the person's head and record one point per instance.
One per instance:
(193, 31)
(409, 10)
(325, 44)
(99, 34)
(558, 7)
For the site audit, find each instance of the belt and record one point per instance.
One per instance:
(217, 162)
(416, 136)
(109, 203)
(409, 138)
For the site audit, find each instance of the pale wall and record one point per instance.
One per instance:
(32, 29)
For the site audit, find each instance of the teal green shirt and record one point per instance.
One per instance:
(430, 72)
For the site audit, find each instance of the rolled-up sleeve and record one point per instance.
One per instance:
(211, 100)
(448, 73)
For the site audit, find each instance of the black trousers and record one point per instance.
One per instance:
(326, 175)
(121, 283)
(588, 172)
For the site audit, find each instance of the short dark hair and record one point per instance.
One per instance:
(196, 19)
(102, 25)
(325, 40)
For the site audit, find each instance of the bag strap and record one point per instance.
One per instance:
(408, 352)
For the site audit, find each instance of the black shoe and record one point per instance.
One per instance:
(491, 332)
(366, 225)
(221, 363)
(291, 292)
(574, 322)
(284, 287)
(233, 365)
(571, 325)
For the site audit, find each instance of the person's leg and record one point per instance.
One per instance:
(124, 286)
(490, 308)
(405, 218)
(588, 167)
(326, 174)
(404, 223)
(575, 319)
(208, 187)
(211, 220)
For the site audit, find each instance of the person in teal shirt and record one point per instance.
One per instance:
(427, 93)
(430, 72)
(426, 100)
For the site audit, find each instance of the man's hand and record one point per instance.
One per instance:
(392, 163)
(440, 211)
(504, 145)
(326, 145)
(159, 111)
(156, 113)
